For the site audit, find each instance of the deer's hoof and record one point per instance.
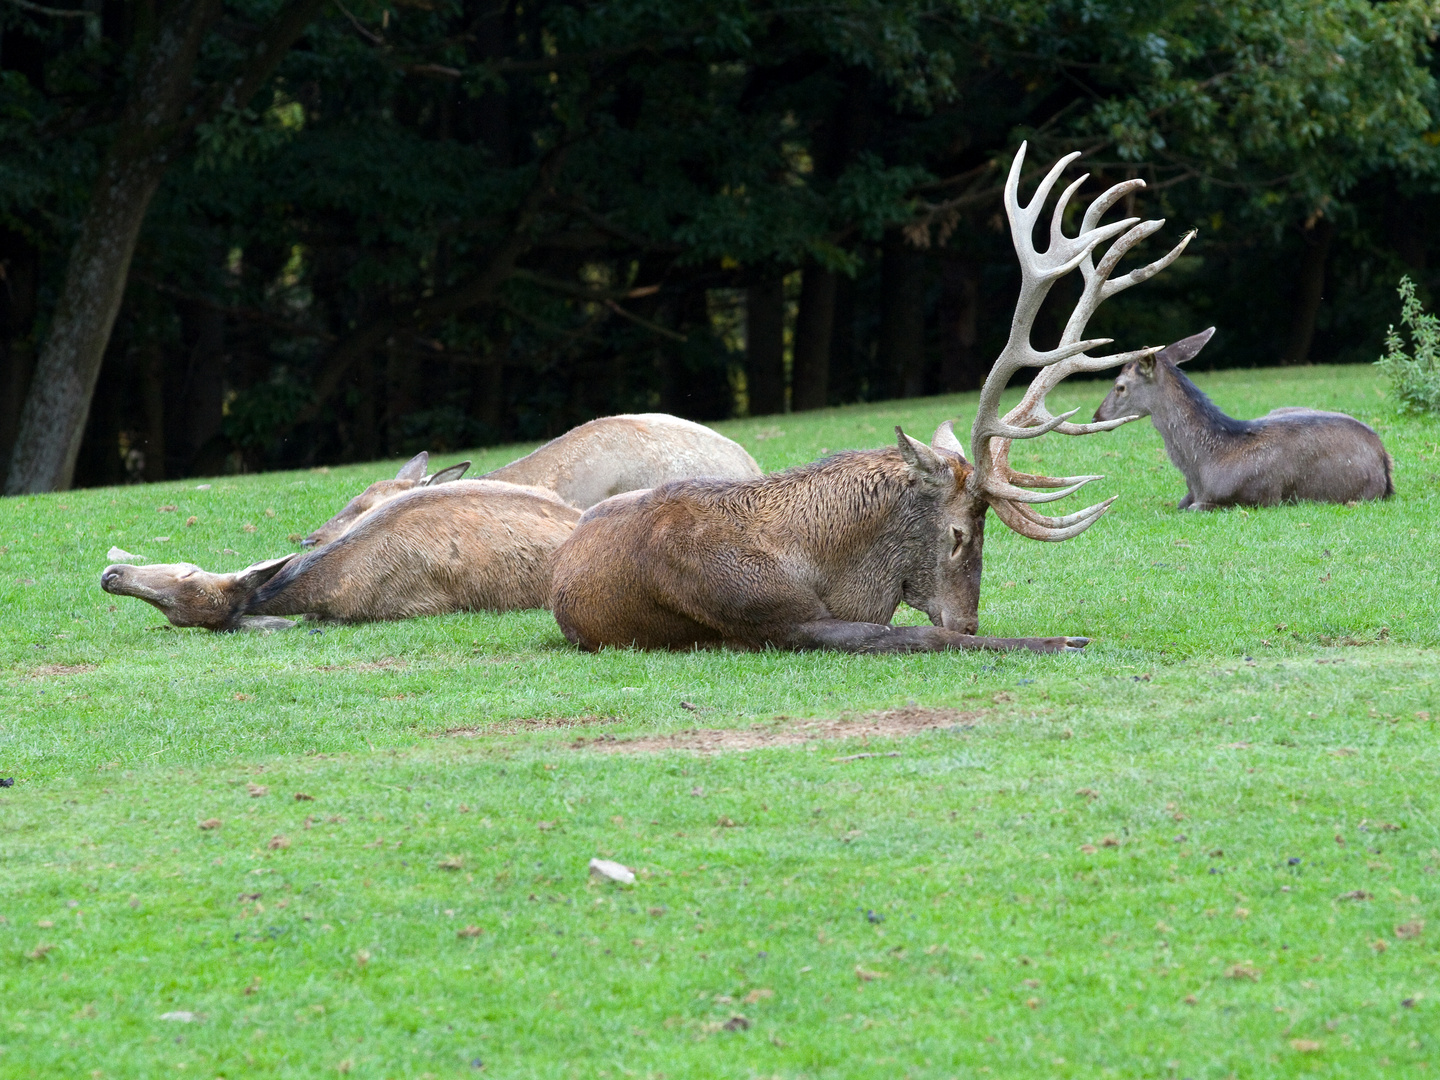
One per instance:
(1075, 644)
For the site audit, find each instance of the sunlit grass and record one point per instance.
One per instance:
(1260, 684)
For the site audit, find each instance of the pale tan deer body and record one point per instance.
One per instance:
(819, 557)
(470, 545)
(616, 454)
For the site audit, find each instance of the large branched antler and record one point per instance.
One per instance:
(1010, 493)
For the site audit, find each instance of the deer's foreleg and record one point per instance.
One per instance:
(862, 637)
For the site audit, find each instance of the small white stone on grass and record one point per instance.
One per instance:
(612, 871)
(116, 554)
(181, 1017)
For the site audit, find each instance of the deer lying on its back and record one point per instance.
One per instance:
(466, 546)
(1289, 455)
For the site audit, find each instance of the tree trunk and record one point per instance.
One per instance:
(960, 365)
(902, 316)
(1310, 291)
(19, 268)
(765, 347)
(52, 422)
(53, 419)
(814, 326)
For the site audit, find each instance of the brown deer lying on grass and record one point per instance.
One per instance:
(820, 556)
(616, 454)
(1288, 455)
(411, 476)
(469, 545)
(604, 457)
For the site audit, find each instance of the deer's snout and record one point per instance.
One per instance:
(960, 624)
(111, 578)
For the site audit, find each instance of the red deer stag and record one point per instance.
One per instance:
(411, 476)
(466, 546)
(616, 454)
(1288, 455)
(820, 556)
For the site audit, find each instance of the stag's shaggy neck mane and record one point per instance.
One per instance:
(859, 487)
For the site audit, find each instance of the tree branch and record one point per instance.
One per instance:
(265, 56)
(584, 292)
(54, 13)
(475, 291)
(253, 315)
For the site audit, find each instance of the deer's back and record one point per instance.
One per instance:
(714, 562)
(616, 454)
(468, 545)
(1300, 455)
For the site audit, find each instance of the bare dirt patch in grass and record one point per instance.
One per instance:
(47, 670)
(785, 731)
(528, 723)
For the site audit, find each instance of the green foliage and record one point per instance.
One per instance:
(708, 145)
(1118, 859)
(1414, 376)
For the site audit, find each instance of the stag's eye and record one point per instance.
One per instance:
(1119, 389)
(957, 538)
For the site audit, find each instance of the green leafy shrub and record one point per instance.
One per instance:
(1414, 377)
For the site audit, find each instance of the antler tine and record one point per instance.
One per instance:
(1039, 270)
(1038, 527)
(1011, 493)
(1022, 495)
(1089, 514)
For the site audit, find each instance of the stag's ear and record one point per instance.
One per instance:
(252, 577)
(414, 469)
(1186, 348)
(925, 464)
(444, 476)
(945, 439)
(1145, 366)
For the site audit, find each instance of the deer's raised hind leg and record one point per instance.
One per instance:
(861, 637)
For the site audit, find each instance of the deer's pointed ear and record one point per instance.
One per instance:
(1186, 348)
(252, 577)
(925, 464)
(414, 469)
(444, 476)
(1145, 366)
(946, 439)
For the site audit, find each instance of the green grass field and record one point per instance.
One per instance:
(1206, 847)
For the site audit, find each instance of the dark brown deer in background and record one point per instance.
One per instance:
(820, 556)
(471, 545)
(1289, 455)
(411, 476)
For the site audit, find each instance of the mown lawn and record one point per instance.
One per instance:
(1207, 846)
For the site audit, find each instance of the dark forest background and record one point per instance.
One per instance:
(435, 224)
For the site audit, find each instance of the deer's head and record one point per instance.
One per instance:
(1141, 386)
(410, 476)
(188, 595)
